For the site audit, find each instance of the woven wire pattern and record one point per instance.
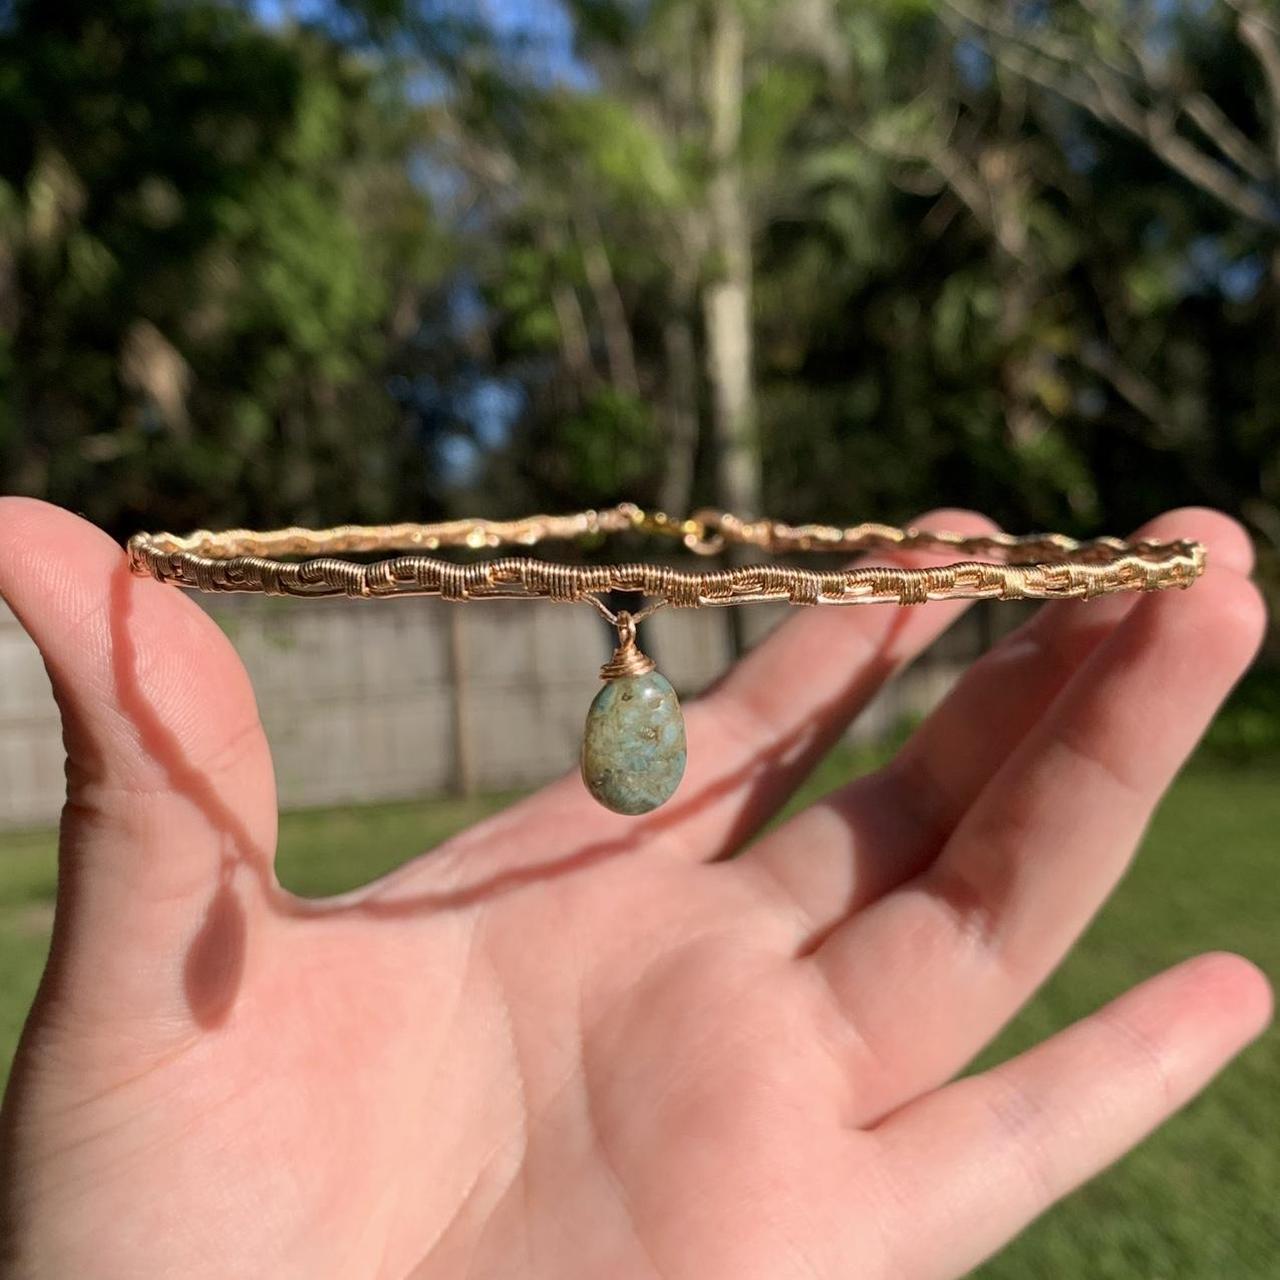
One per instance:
(304, 562)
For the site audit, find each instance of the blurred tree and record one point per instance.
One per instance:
(984, 278)
(1169, 118)
(1140, 69)
(210, 236)
(826, 257)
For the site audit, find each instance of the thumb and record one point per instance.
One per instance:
(168, 832)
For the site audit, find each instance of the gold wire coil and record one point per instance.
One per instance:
(302, 562)
(627, 660)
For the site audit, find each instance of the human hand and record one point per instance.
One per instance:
(568, 1044)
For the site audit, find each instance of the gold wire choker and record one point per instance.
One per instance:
(633, 751)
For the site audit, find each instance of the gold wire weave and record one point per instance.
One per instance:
(302, 562)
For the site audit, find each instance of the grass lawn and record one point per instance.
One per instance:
(1197, 1202)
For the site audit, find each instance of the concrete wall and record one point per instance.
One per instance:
(369, 700)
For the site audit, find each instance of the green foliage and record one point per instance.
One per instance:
(775, 105)
(612, 443)
(523, 293)
(595, 455)
(1248, 729)
(202, 283)
(615, 149)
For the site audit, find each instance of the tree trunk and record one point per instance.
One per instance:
(726, 291)
(726, 294)
(618, 346)
(575, 346)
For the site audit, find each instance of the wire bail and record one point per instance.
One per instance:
(627, 658)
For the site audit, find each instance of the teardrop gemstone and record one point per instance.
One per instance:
(633, 747)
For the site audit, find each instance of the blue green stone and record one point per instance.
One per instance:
(633, 748)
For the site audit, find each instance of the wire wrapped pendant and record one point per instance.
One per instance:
(633, 745)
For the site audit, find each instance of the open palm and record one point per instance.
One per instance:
(568, 1044)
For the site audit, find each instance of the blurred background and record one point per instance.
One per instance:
(312, 262)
